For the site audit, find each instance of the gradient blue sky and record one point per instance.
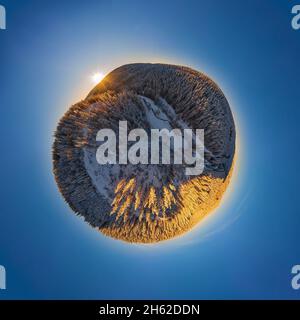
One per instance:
(247, 248)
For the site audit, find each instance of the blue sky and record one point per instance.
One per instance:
(245, 249)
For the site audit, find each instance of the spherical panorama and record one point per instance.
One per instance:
(148, 154)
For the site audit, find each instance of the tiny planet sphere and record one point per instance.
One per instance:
(145, 203)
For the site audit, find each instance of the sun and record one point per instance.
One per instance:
(97, 77)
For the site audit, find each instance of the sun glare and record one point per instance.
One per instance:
(97, 77)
